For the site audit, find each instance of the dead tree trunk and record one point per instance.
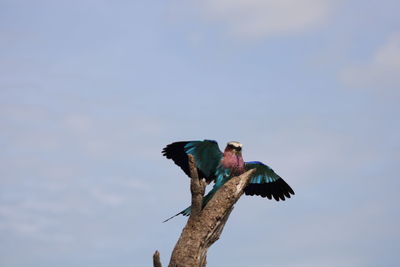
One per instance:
(204, 226)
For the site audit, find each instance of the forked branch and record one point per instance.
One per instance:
(205, 226)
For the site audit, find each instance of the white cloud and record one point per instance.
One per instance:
(261, 18)
(382, 71)
(107, 198)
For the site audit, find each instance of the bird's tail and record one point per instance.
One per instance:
(185, 212)
(188, 210)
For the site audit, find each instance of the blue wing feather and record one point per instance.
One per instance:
(266, 183)
(206, 153)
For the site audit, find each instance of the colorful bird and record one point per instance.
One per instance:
(215, 166)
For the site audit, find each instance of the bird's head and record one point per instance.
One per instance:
(234, 146)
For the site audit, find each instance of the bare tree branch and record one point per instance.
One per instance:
(203, 229)
(204, 226)
(156, 259)
(197, 188)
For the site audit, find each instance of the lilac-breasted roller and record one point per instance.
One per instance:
(216, 166)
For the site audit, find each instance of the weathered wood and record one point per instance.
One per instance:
(204, 226)
(156, 259)
(197, 188)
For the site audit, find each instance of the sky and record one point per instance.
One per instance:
(91, 91)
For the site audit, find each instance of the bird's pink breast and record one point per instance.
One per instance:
(234, 162)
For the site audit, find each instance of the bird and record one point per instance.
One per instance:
(216, 166)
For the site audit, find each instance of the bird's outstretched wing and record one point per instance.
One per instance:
(266, 183)
(206, 153)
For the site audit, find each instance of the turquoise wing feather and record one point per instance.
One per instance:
(266, 183)
(206, 153)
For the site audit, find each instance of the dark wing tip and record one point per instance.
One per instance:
(176, 152)
(277, 190)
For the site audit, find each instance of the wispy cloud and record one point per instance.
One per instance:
(264, 18)
(107, 198)
(380, 72)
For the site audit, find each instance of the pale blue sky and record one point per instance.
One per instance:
(91, 91)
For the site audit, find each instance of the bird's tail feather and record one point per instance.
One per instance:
(185, 212)
(188, 210)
